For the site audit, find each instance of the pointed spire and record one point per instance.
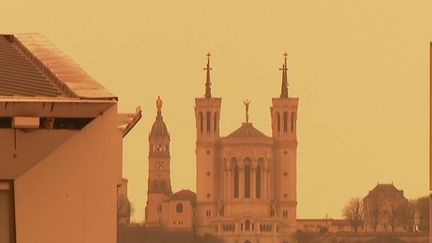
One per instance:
(208, 84)
(284, 88)
(159, 108)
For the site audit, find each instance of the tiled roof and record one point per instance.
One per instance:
(31, 66)
(386, 190)
(247, 131)
(19, 75)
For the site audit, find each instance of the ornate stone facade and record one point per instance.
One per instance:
(246, 181)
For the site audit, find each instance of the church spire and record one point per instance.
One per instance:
(284, 88)
(208, 84)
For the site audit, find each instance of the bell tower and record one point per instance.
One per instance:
(159, 182)
(284, 131)
(207, 115)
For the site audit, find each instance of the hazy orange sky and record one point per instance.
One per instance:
(360, 69)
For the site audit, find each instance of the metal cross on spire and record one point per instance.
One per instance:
(284, 88)
(208, 83)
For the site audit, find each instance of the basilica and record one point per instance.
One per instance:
(246, 181)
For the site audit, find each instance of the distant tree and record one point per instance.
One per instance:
(354, 212)
(124, 208)
(374, 212)
(407, 218)
(422, 210)
(395, 212)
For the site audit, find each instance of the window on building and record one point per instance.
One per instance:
(159, 208)
(208, 121)
(292, 121)
(215, 122)
(236, 181)
(221, 211)
(201, 120)
(258, 182)
(247, 225)
(247, 174)
(179, 208)
(7, 215)
(285, 213)
(278, 121)
(285, 121)
(208, 213)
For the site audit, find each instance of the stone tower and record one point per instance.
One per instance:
(159, 183)
(284, 133)
(207, 114)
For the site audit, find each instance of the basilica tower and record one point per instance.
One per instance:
(207, 114)
(159, 183)
(284, 133)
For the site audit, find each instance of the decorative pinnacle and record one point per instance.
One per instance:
(208, 84)
(159, 106)
(247, 102)
(284, 88)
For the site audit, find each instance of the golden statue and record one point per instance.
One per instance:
(247, 102)
(159, 104)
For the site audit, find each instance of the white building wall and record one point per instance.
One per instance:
(71, 194)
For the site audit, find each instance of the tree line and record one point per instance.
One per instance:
(412, 216)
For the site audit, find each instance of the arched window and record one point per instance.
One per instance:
(258, 182)
(215, 122)
(208, 121)
(292, 121)
(201, 118)
(247, 225)
(179, 208)
(247, 174)
(236, 179)
(285, 121)
(278, 121)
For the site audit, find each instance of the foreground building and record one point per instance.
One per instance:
(246, 181)
(60, 147)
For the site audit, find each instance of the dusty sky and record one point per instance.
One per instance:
(360, 69)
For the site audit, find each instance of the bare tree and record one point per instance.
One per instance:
(396, 212)
(353, 212)
(407, 218)
(374, 213)
(422, 209)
